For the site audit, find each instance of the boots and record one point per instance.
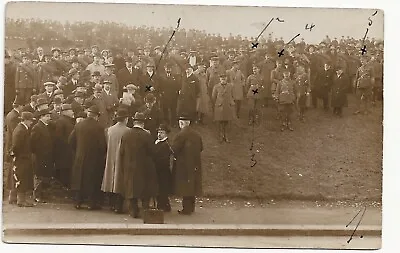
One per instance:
(21, 200)
(12, 197)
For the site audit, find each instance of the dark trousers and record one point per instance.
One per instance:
(324, 95)
(188, 204)
(163, 202)
(238, 105)
(170, 107)
(93, 198)
(116, 201)
(134, 204)
(337, 111)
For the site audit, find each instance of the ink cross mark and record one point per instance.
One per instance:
(351, 237)
(255, 91)
(363, 50)
(148, 87)
(255, 43)
(310, 28)
(280, 53)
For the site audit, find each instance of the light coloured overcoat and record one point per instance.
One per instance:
(113, 180)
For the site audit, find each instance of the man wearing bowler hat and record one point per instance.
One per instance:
(89, 144)
(42, 150)
(137, 155)
(152, 113)
(22, 172)
(188, 94)
(113, 180)
(187, 174)
(11, 121)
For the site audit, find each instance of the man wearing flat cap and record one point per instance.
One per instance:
(89, 146)
(98, 99)
(150, 80)
(213, 72)
(42, 150)
(140, 176)
(111, 77)
(22, 172)
(63, 155)
(48, 91)
(113, 180)
(187, 174)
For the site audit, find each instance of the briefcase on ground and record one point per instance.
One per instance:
(153, 215)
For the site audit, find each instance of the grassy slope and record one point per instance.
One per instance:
(337, 158)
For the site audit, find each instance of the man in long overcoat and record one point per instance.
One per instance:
(63, 152)
(22, 163)
(187, 147)
(113, 180)
(12, 119)
(140, 176)
(89, 143)
(188, 94)
(42, 150)
(224, 106)
(341, 83)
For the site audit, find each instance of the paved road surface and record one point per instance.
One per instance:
(210, 241)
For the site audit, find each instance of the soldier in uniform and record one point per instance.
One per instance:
(113, 180)
(140, 177)
(255, 91)
(164, 164)
(187, 174)
(303, 89)
(213, 73)
(224, 106)
(89, 145)
(364, 82)
(237, 79)
(9, 82)
(42, 150)
(22, 172)
(24, 79)
(285, 93)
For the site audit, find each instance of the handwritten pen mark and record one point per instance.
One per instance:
(279, 20)
(148, 87)
(363, 50)
(354, 231)
(370, 21)
(255, 91)
(255, 43)
(374, 13)
(165, 47)
(310, 28)
(280, 53)
(293, 38)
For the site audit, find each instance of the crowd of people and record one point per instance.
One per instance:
(97, 118)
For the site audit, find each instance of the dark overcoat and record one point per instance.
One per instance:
(339, 90)
(163, 166)
(137, 155)
(189, 92)
(64, 126)
(12, 120)
(88, 141)
(21, 149)
(154, 117)
(187, 173)
(42, 149)
(224, 104)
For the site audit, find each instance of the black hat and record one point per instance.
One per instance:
(121, 113)
(96, 73)
(26, 116)
(163, 127)
(184, 117)
(94, 109)
(42, 112)
(139, 117)
(66, 107)
(149, 98)
(42, 101)
(80, 114)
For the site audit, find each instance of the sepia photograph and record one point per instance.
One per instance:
(192, 125)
